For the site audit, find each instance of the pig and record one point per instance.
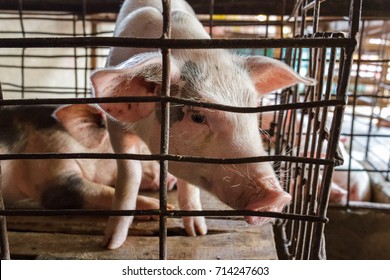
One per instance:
(212, 75)
(67, 183)
(359, 181)
(360, 187)
(383, 122)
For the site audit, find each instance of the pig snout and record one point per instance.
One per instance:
(255, 192)
(271, 198)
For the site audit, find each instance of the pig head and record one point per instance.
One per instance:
(215, 76)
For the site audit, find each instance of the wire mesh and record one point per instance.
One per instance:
(305, 125)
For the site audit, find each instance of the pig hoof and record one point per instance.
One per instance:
(149, 203)
(116, 232)
(113, 240)
(195, 225)
(145, 202)
(112, 243)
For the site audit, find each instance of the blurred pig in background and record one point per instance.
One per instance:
(65, 183)
(357, 179)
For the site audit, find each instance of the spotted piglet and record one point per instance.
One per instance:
(65, 183)
(212, 75)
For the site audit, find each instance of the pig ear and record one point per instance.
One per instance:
(85, 123)
(270, 74)
(138, 76)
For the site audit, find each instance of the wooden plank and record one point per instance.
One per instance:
(228, 239)
(96, 225)
(79, 237)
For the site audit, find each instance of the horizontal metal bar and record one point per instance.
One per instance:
(129, 99)
(364, 205)
(362, 170)
(170, 213)
(178, 158)
(366, 135)
(65, 42)
(371, 8)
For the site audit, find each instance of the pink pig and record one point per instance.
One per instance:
(359, 180)
(216, 76)
(65, 183)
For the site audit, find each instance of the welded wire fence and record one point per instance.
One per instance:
(51, 67)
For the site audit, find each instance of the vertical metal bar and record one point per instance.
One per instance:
(93, 51)
(355, 11)
(164, 130)
(316, 16)
(285, 226)
(293, 225)
(315, 151)
(378, 71)
(76, 82)
(354, 103)
(4, 245)
(22, 76)
(86, 74)
(282, 18)
(306, 171)
(381, 72)
(323, 135)
(211, 19)
(303, 18)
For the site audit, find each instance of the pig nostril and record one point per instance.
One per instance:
(274, 201)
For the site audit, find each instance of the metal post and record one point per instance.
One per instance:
(164, 129)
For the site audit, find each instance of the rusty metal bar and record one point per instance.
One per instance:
(354, 103)
(65, 42)
(169, 213)
(312, 5)
(355, 12)
(171, 99)
(168, 157)
(372, 8)
(211, 19)
(363, 205)
(4, 244)
(306, 227)
(164, 145)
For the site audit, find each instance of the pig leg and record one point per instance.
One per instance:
(151, 177)
(129, 175)
(73, 192)
(126, 191)
(189, 199)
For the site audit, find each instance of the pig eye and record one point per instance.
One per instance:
(198, 117)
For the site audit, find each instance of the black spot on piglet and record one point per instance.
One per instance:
(63, 192)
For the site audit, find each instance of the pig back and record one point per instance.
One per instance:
(143, 19)
(17, 121)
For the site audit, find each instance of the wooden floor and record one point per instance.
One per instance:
(80, 237)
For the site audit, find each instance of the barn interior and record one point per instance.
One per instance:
(48, 50)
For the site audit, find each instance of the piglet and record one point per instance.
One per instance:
(66, 183)
(359, 181)
(212, 75)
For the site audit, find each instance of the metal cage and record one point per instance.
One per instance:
(306, 122)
